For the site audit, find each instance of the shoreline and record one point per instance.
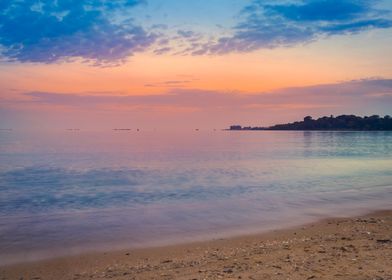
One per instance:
(236, 231)
(321, 249)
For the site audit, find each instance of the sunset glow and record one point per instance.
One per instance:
(166, 48)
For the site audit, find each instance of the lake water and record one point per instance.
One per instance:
(75, 191)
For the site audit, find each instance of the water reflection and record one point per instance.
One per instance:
(94, 189)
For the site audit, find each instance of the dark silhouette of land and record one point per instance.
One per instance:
(343, 122)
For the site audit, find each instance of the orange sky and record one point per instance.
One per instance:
(256, 72)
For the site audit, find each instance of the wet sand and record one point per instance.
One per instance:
(338, 248)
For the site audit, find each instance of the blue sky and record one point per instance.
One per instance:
(197, 14)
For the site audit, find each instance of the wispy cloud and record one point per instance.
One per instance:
(171, 83)
(271, 24)
(349, 94)
(50, 31)
(184, 108)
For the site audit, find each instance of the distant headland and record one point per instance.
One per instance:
(343, 122)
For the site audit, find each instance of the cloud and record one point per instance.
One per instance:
(171, 83)
(162, 51)
(184, 108)
(271, 24)
(350, 94)
(102, 32)
(189, 35)
(51, 31)
(186, 33)
(320, 10)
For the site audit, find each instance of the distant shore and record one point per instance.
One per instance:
(336, 248)
(331, 123)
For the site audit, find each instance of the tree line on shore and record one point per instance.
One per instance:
(343, 122)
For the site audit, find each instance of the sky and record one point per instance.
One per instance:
(164, 64)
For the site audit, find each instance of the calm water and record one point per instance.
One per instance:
(67, 192)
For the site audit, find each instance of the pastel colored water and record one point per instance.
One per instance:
(75, 191)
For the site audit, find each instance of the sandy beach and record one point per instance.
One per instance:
(336, 248)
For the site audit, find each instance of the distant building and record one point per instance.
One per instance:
(235, 127)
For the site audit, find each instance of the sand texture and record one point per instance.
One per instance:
(342, 248)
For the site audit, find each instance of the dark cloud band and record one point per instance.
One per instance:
(352, 93)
